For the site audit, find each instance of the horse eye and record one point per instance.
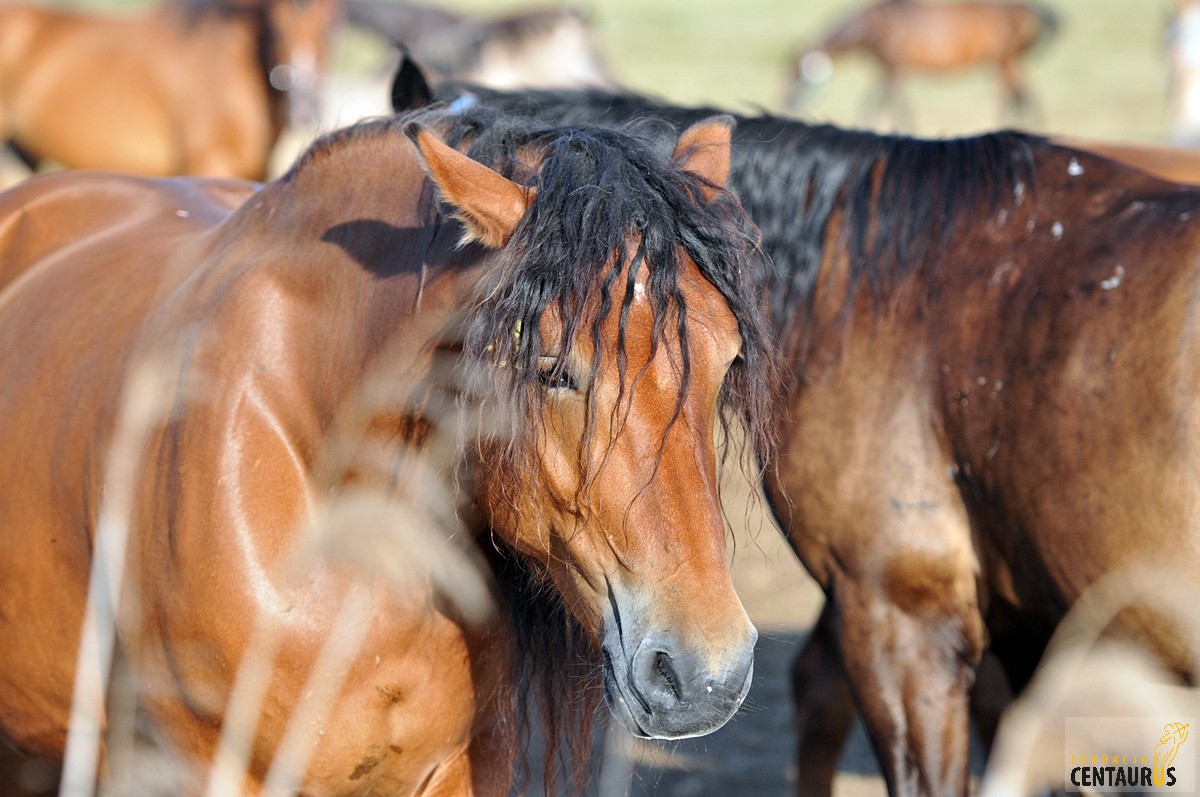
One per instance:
(554, 378)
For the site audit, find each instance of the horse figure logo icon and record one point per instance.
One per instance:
(1174, 735)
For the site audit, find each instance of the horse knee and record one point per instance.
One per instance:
(910, 649)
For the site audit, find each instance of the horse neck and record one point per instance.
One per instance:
(353, 230)
(846, 213)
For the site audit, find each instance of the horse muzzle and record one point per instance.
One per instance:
(662, 691)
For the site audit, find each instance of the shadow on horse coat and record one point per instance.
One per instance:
(990, 403)
(339, 349)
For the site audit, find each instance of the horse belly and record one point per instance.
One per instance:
(944, 41)
(115, 118)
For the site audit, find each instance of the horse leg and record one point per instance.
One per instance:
(890, 106)
(1017, 102)
(825, 710)
(23, 776)
(990, 695)
(911, 664)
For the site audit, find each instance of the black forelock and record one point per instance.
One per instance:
(599, 190)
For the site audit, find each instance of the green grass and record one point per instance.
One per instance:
(1103, 76)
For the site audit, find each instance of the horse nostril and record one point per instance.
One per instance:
(662, 666)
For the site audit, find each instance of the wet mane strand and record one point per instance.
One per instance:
(606, 201)
(596, 187)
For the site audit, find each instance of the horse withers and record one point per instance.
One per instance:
(191, 87)
(979, 334)
(552, 343)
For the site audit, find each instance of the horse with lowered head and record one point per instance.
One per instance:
(980, 333)
(195, 87)
(553, 322)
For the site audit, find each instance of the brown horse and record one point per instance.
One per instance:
(905, 35)
(327, 336)
(992, 404)
(200, 87)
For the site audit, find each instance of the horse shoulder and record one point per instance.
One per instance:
(283, 390)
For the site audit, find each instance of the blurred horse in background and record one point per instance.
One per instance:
(1183, 73)
(977, 331)
(916, 35)
(531, 48)
(536, 47)
(389, 370)
(193, 87)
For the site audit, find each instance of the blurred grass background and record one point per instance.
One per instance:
(1103, 76)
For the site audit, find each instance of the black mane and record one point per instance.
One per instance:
(899, 199)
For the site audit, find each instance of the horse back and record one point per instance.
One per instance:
(43, 216)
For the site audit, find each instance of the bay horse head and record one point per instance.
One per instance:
(616, 329)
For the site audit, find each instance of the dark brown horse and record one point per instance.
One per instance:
(335, 342)
(991, 405)
(918, 35)
(200, 87)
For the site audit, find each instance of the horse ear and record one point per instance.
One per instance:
(703, 150)
(410, 89)
(490, 205)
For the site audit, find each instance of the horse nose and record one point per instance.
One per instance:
(684, 694)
